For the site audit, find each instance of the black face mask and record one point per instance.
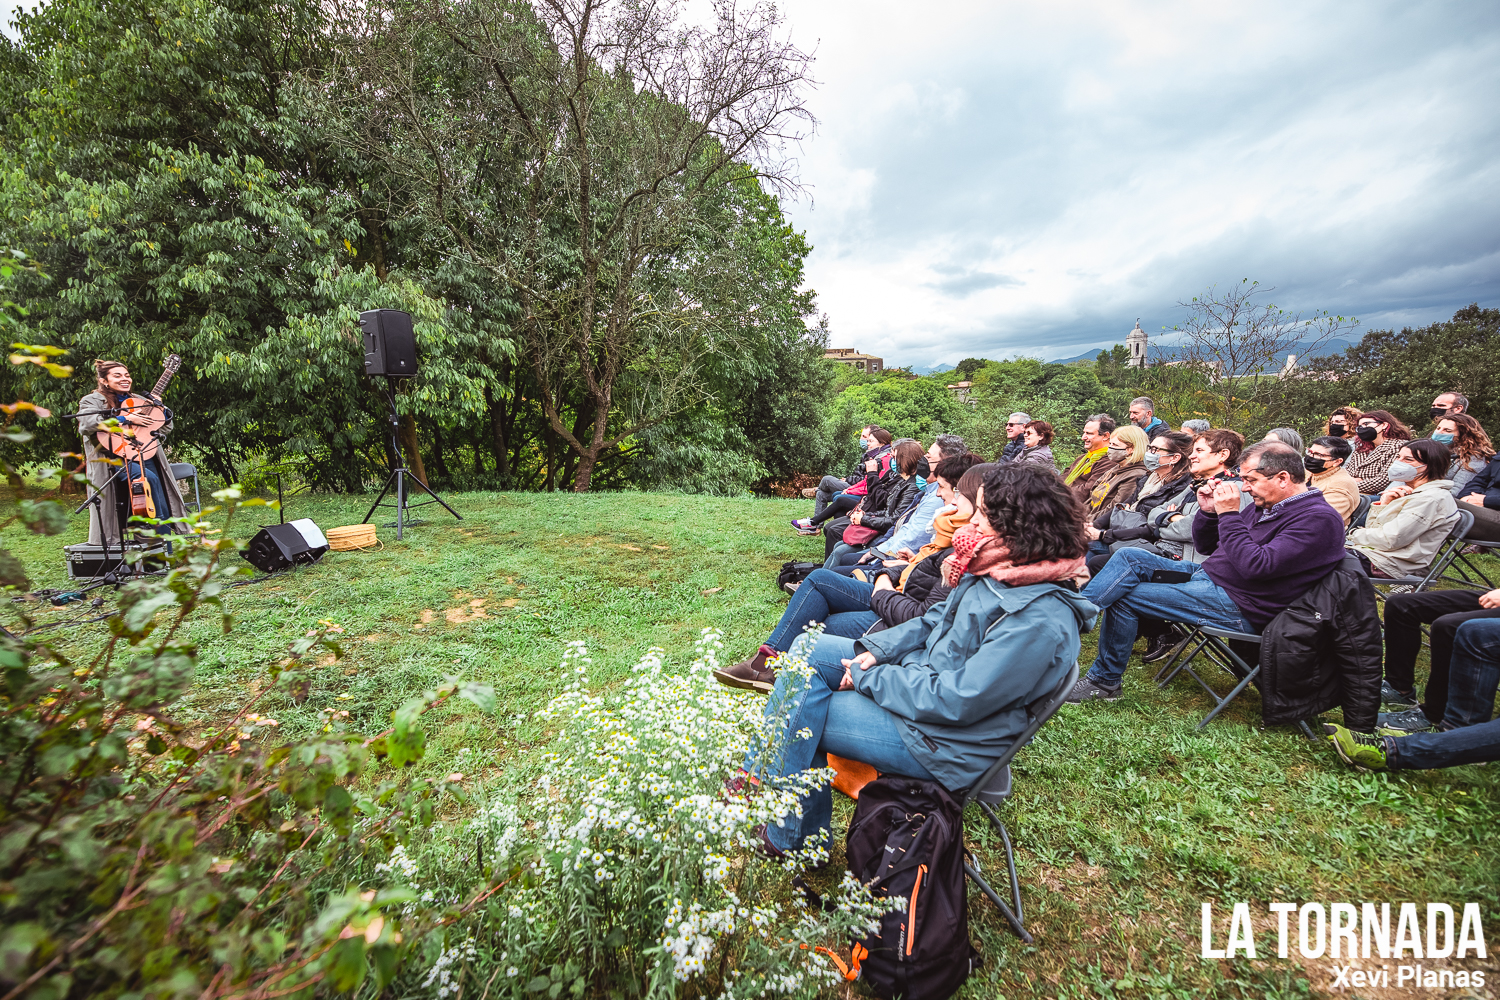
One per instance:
(1314, 464)
(1337, 430)
(1438, 411)
(1368, 433)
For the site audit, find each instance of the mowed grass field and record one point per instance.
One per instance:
(1125, 818)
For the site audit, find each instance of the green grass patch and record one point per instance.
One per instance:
(1125, 817)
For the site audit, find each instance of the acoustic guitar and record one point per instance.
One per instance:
(140, 419)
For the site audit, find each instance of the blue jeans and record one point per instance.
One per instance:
(158, 495)
(842, 552)
(841, 603)
(1424, 751)
(845, 723)
(1122, 590)
(1473, 673)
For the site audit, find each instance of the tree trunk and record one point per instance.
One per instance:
(498, 444)
(409, 446)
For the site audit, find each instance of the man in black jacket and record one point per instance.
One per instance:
(1482, 497)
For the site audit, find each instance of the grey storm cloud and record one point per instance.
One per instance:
(1029, 178)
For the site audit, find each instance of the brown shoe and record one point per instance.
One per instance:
(751, 674)
(810, 492)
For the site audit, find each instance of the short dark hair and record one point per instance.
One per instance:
(908, 454)
(1037, 516)
(1339, 447)
(1106, 422)
(1224, 439)
(880, 434)
(949, 445)
(1043, 429)
(1272, 457)
(953, 467)
(1433, 454)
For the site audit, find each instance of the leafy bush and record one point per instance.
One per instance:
(626, 869)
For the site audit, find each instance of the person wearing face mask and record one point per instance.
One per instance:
(1412, 518)
(1380, 438)
(1213, 458)
(1447, 404)
(1342, 424)
(1127, 450)
(1129, 523)
(1469, 445)
(1324, 460)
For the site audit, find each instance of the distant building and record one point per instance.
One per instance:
(961, 390)
(1135, 341)
(849, 356)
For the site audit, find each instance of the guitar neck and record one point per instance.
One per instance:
(161, 383)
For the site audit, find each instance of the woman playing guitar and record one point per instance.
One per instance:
(146, 487)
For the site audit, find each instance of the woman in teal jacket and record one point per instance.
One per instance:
(942, 696)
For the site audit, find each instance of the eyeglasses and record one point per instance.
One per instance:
(1161, 451)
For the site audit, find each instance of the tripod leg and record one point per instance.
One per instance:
(400, 502)
(439, 499)
(383, 491)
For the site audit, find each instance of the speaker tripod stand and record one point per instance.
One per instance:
(398, 477)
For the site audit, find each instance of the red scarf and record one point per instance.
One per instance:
(987, 555)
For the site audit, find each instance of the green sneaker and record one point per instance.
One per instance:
(1360, 750)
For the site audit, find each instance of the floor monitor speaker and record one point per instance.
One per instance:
(281, 546)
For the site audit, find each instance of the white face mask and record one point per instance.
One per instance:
(1401, 472)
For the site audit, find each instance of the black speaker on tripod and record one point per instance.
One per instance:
(282, 546)
(390, 345)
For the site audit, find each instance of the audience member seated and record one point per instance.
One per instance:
(1482, 497)
(1325, 462)
(1015, 431)
(1442, 611)
(1260, 560)
(1127, 450)
(1447, 404)
(1038, 451)
(1380, 438)
(836, 497)
(1129, 523)
(1286, 436)
(1469, 445)
(1212, 459)
(1143, 415)
(942, 696)
(1411, 520)
(913, 529)
(1474, 738)
(1094, 463)
(888, 498)
(1196, 426)
(1344, 423)
(848, 560)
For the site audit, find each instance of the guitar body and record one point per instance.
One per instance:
(137, 442)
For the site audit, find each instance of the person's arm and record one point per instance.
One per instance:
(1403, 523)
(894, 643)
(1287, 553)
(897, 608)
(1205, 532)
(1002, 671)
(1343, 502)
(93, 408)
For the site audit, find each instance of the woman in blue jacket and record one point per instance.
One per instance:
(942, 696)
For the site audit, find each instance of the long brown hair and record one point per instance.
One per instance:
(1471, 441)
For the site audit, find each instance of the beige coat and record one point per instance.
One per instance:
(1340, 489)
(1401, 538)
(102, 465)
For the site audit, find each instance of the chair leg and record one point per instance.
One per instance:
(1010, 858)
(1010, 917)
(1307, 730)
(1183, 659)
(1224, 701)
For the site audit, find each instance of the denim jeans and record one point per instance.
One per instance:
(841, 603)
(1122, 590)
(842, 552)
(1444, 611)
(1473, 673)
(845, 723)
(1424, 751)
(158, 495)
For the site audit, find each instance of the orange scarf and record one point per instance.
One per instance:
(943, 527)
(988, 555)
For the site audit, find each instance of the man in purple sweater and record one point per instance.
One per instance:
(1261, 559)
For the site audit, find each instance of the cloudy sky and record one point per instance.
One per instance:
(1029, 177)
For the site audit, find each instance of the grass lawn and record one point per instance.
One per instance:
(1126, 819)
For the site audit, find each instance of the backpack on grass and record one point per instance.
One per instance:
(906, 839)
(794, 572)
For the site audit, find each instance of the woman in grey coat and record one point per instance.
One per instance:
(113, 387)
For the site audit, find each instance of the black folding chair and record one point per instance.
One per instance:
(184, 470)
(995, 787)
(1361, 511)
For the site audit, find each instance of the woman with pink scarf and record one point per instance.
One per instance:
(942, 696)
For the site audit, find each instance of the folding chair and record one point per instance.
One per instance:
(183, 470)
(1214, 642)
(995, 787)
(1466, 571)
(1361, 511)
(1449, 551)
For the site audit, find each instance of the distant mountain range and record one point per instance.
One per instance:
(931, 369)
(1157, 353)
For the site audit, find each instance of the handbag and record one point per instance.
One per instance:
(859, 536)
